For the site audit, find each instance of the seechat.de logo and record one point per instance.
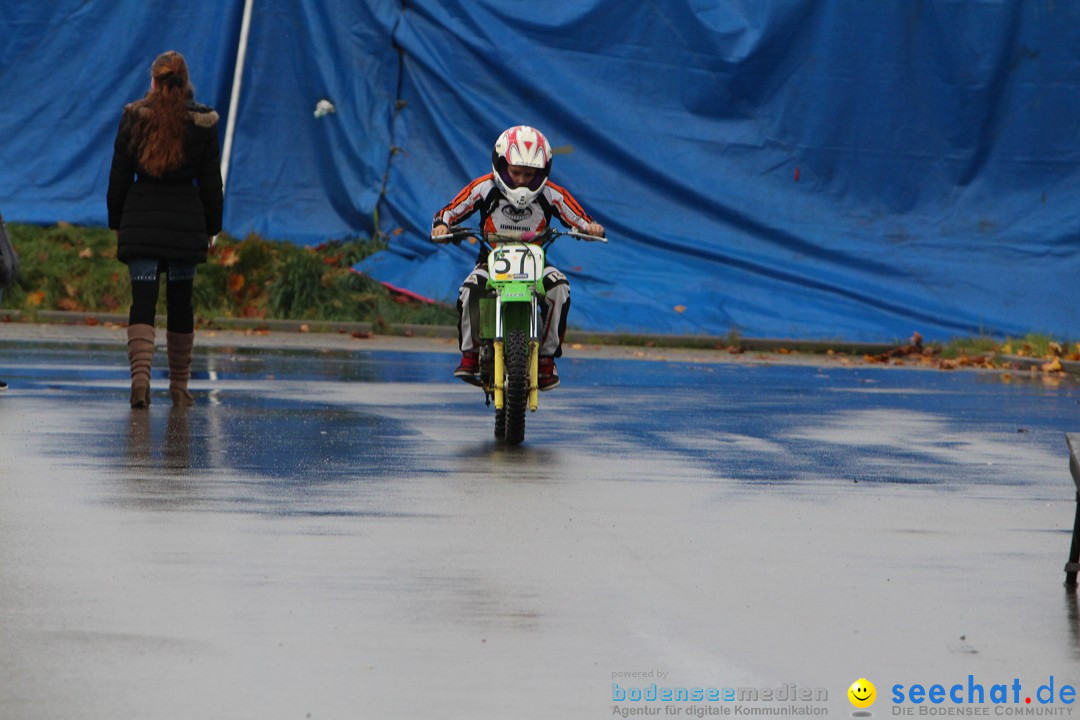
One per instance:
(862, 695)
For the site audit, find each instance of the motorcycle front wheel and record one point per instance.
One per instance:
(516, 397)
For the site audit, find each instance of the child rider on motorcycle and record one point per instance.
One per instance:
(515, 196)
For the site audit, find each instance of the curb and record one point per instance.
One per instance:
(1027, 363)
(697, 342)
(693, 342)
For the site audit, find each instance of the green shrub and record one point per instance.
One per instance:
(65, 267)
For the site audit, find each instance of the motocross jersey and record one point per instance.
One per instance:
(498, 215)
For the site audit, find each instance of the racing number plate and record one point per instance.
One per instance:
(517, 261)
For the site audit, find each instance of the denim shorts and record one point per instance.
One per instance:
(148, 269)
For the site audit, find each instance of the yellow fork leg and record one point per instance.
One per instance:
(534, 375)
(500, 373)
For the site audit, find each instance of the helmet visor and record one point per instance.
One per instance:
(535, 183)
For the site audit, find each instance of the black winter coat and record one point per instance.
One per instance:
(169, 217)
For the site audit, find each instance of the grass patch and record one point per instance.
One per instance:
(72, 268)
(1032, 345)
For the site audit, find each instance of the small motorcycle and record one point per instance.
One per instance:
(510, 321)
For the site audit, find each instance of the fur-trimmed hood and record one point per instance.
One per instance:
(202, 115)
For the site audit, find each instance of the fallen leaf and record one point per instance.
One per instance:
(86, 253)
(680, 308)
(229, 257)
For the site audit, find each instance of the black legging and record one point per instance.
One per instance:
(144, 296)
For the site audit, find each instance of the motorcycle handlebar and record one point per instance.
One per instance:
(459, 234)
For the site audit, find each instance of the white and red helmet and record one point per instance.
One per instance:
(526, 146)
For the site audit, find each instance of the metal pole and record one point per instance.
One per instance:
(238, 76)
(1072, 566)
(1074, 552)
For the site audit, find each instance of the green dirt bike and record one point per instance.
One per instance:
(510, 321)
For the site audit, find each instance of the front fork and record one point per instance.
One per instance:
(500, 358)
(534, 374)
(500, 375)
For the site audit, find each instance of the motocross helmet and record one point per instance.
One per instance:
(526, 146)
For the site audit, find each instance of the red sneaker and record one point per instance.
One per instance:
(469, 369)
(549, 376)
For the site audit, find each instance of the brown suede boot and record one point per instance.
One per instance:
(179, 346)
(140, 354)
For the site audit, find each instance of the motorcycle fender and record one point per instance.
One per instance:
(516, 293)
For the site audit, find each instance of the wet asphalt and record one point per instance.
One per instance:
(333, 532)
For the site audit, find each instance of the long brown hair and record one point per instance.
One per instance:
(162, 117)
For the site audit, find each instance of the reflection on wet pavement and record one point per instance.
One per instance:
(339, 535)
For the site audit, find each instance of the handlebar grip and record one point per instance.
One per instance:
(588, 238)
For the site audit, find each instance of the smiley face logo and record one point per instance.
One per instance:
(862, 693)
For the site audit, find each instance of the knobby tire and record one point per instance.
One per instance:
(516, 397)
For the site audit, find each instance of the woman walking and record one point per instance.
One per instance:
(165, 202)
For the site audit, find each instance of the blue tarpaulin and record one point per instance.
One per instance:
(834, 170)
